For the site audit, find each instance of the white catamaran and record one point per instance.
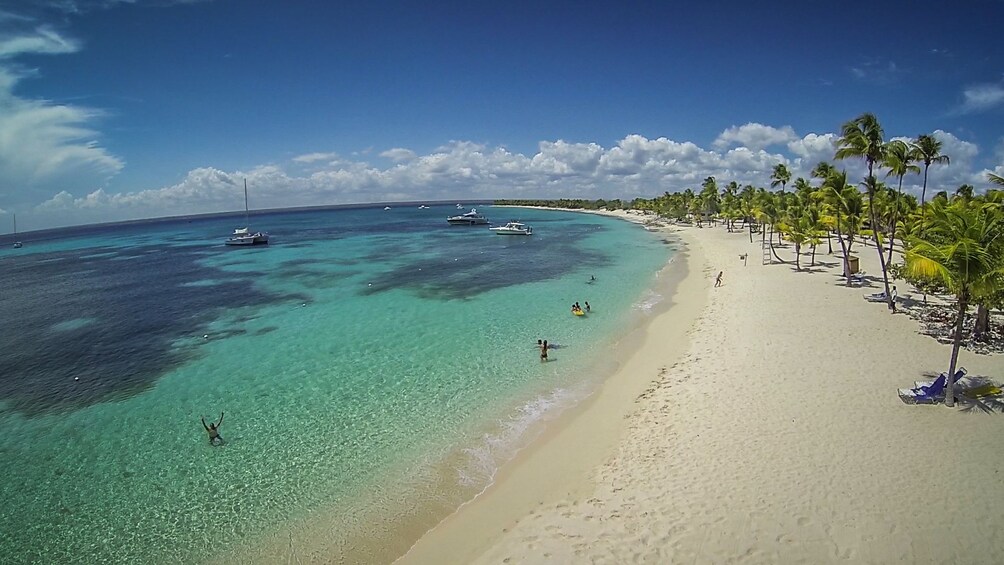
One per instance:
(243, 236)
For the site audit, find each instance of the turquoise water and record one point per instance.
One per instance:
(364, 355)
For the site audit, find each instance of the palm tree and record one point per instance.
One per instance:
(746, 197)
(802, 187)
(821, 171)
(862, 137)
(780, 176)
(899, 159)
(814, 217)
(928, 150)
(840, 195)
(769, 211)
(799, 231)
(709, 197)
(965, 192)
(962, 248)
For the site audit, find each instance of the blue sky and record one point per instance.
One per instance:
(116, 109)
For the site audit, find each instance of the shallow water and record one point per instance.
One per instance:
(353, 354)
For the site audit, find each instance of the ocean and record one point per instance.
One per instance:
(374, 368)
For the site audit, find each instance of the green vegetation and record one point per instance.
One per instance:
(575, 204)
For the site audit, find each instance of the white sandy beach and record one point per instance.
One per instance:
(757, 422)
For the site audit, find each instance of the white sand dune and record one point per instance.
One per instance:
(757, 423)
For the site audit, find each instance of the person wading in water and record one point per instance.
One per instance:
(213, 430)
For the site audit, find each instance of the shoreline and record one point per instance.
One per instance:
(553, 465)
(774, 434)
(371, 528)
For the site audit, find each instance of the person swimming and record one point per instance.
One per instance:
(213, 430)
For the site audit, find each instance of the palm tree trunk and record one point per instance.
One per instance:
(923, 195)
(982, 321)
(847, 261)
(829, 242)
(956, 344)
(771, 243)
(813, 255)
(895, 218)
(878, 241)
(845, 249)
(798, 264)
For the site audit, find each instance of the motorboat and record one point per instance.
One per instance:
(243, 237)
(386, 207)
(513, 228)
(472, 218)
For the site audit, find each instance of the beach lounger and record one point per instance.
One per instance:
(960, 374)
(928, 393)
(877, 297)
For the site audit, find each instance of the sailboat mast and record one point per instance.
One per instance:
(247, 222)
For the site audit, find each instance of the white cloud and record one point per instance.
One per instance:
(43, 40)
(315, 157)
(43, 144)
(981, 97)
(560, 158)
(755, 136)
(398, 154)
(877, 71)
(462, 170)
(814, 147)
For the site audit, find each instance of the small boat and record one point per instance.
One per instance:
(243, 237)
(423, 207)
(386, 207)
(513, 228)
(17, 244)
(472, 218)
(460, 206)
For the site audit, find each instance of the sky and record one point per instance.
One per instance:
(125, 109)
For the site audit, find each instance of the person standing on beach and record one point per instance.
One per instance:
(213, 430)
(718, 280)
(543, 352)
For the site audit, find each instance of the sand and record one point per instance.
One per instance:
(757, 422)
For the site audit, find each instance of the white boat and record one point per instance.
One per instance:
(17, 244)
(513, 228)
(243, 236)
(423, 207)
(460, 206)
(386, 207)
(472, 218)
